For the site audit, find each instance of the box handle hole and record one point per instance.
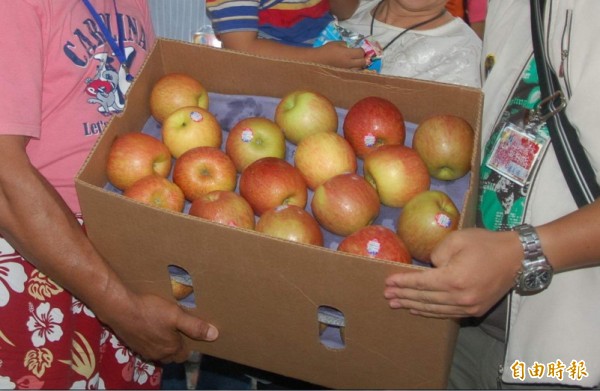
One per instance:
(182, 286)
(332, 327)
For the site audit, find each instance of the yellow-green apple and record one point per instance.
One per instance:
(303, 112)
(445, 142)
(133, 156)
(425, 220)
(190, 127)
(397, 172)
(202, 170)
(225, 207)
(173, 91)
(291, 222)
(345, 203)
(270, 182)
(157, 191)
(253, 138)
(373, 121)
(376, 241)
(321, 156)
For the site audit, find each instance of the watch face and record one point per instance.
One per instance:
(537, 279)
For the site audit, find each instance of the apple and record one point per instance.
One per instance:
(425, 220)
(173, 91)
(180, 290)
(445, 143)
(345, 203)
(133, 156)
(372, 122)
(291, 222)
(397, 172)
(253, 138)
(270, 182)
(224, 207)
(321, 156)
(157, 191)
(304, 112)
(190, 127)
(202, 170)
(376, 241)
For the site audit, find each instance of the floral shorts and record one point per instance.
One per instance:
(49, 339)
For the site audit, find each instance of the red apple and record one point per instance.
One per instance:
(202, 170)
(157, 191)
(425, 220)
(133, 156)
(371, 122)
(445, 143)
(190, 127)
(173, 91)
(304, 112)
(270, 182)
(224, 207)
(345, 203)
(321, 156)
(376, 241)
(397, 172)
(291, 222)
(253, 138)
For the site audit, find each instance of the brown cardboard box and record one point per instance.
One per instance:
(263, 293)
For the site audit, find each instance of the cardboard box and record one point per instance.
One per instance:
(264, 293)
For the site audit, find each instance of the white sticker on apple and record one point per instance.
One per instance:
(369, 140)
(443, 220)
(247, 135)
(373, 247)
(196, 116)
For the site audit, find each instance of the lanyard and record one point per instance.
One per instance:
(414, 26)
(118, 49)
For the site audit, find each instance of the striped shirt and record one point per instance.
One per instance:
(294, 22)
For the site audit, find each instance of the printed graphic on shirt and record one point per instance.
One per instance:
(107, 87)
(502, 201)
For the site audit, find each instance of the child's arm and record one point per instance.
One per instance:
(343, 9)
(334, 53)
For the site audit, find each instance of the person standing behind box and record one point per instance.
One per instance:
(62, 79)
(283, 29)
(420, 40)
(527, 279)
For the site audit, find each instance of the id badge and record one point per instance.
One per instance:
(517, 152)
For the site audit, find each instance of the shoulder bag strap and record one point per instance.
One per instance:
(571, 155)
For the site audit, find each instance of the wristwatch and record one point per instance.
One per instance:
(536, 273)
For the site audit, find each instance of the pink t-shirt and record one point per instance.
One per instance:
(60, 82)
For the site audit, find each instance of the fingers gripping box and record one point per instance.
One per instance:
(264, 294)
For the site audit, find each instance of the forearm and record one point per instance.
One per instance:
(268, 48)
(573, 240)
(335, 54)
(40, 226)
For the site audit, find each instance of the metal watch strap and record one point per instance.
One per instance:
(532, 248)
(536, 272)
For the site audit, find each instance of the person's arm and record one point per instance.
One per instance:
(37, 222)
(343, 9)
(476, 11)
(474, 267)
(333, 53)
